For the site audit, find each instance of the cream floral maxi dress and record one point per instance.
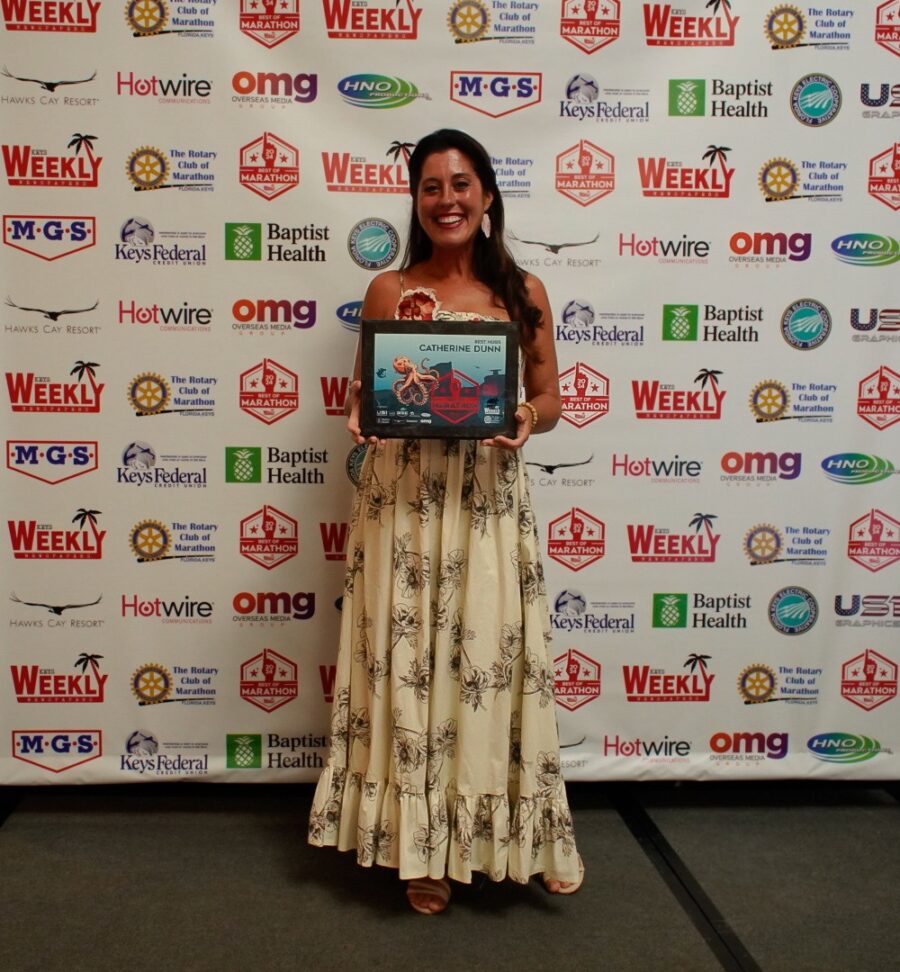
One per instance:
(444, 749)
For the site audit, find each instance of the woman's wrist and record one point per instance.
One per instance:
(532, 410)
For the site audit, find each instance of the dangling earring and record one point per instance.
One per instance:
(486, 225)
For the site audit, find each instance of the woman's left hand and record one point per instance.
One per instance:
(523, 432)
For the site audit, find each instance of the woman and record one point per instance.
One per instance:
(445, 756)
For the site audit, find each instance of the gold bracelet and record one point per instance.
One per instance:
(534, 413)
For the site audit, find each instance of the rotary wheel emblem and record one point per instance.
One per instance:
(147, 167)
(785, 26)
(769, 401)
(778, 179)
(149, 394)
(468, 20)
(150, 540)
(151, 684)
(757, 683)
(762, 544)
(146, 17)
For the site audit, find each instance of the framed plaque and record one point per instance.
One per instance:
(439, 379)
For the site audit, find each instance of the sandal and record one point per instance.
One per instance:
(574, 886)
(436, 888)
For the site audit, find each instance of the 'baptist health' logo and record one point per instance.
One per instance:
(687, 97)
(670, 610)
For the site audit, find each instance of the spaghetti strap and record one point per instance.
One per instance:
(402, 288)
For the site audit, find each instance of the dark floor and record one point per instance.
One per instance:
(744, 876)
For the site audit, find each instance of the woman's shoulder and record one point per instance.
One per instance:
(382, 294)
(534, 286)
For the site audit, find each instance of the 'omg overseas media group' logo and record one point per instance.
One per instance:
(265, 89)
(272, 316)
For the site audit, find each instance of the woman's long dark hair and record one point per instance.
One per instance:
(492, 262)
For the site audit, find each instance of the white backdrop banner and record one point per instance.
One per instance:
(194, 198)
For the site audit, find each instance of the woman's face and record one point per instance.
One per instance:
(450, 199)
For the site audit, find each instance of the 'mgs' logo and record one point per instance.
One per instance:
(51, 461)
(49, 237)
(495, 93)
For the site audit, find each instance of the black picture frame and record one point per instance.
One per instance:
(468, 379)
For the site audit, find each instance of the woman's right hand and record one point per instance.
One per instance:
(351, 408)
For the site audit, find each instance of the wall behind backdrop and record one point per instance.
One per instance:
(195, 197)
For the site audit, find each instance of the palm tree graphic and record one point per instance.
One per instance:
(79, 141)
(84, 659)
(83, 368)
(90, 516)
(701, 520)
(715, 4)
(707, 375)
(693, 660)
(398, 148)
(717, 153)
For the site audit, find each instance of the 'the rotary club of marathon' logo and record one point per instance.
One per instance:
(779, 179)
(766, 544)
(269, 166)
(576, 539)
(887, 26)
(151, 684)
(154, 684)
(468, 21)
(152, 541)
(787, 27)
(869, 680)
(878, 398)
(151, 18)
(585, 394)
(269, 680)
(874, 540)
(51, 460)
(576, 679)
(816, 100)
(793, 610)
(269, 22)
(269, 391)
(884, 177)
(269, 537)
(49, 237)
(585, 173)
(590, 24)
(757, 683)
(150, 394)
(148, 168)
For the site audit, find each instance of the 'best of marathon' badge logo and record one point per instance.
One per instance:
(874, 540)
(269, 537)
(29, 392)
(576, 539)
(31, 540)
(884, 177)
(58, 16)
(269, 391)
(585, 173)
(269, 680)
(584, 393)
(869, 680)
(590, 24)
(649, 544)
(887, 26)
(29, 166)
(576, 679)
(269, 22)
(269, 166)
(878, 398)
(665, 26)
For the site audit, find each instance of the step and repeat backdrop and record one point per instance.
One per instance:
(194, 198)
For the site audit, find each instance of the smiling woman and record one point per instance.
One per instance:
(444, 756)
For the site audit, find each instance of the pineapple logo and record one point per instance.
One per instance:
(243, 464)
(243, 241)
(243, 751)
(680, 322)
(670, 610)
(687, 97)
